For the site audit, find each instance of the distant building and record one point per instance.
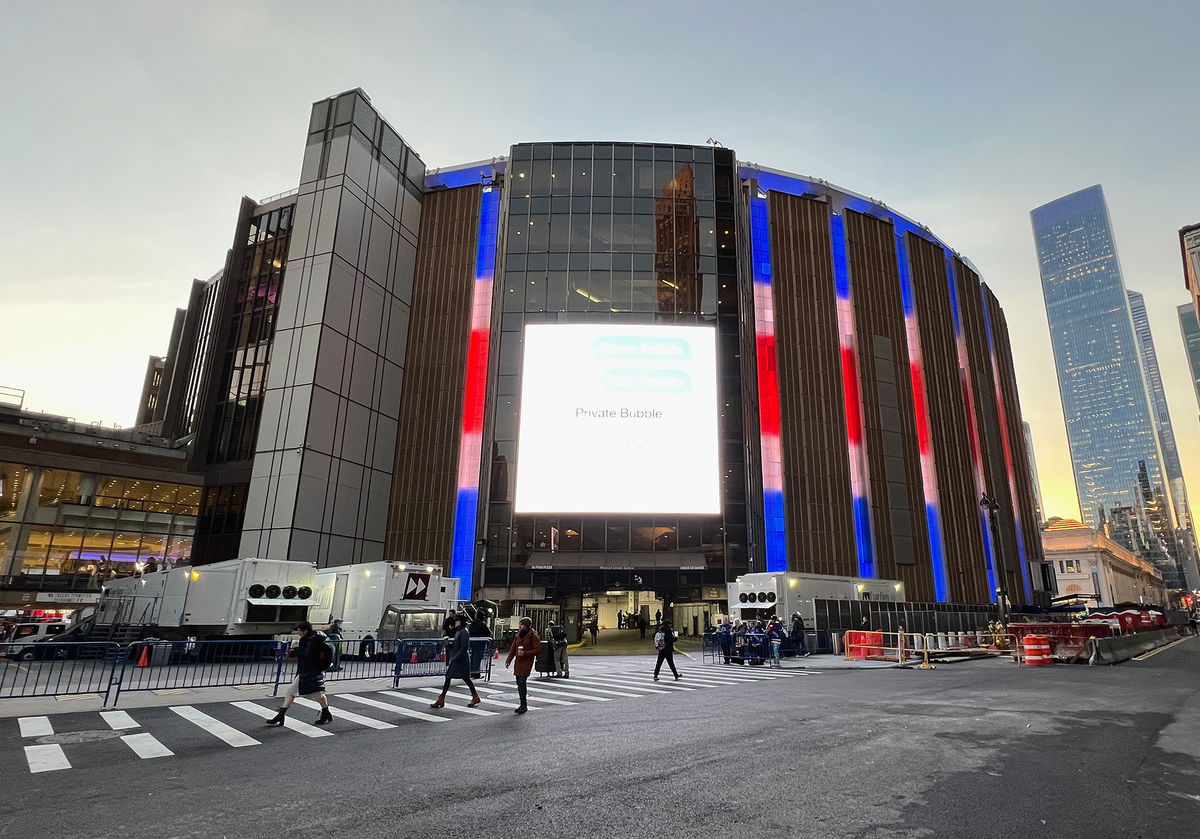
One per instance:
(1033, 473)
(1190, 327)
(1092, 567)
(1189, 246)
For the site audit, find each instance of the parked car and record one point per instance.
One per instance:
(21, 641)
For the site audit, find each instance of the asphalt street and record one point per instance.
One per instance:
(981, 749)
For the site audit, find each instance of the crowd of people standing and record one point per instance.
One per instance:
(757, 641)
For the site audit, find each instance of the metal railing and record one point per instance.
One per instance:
(35, 669)
(902, 646)
(28, 670)
(735, 649)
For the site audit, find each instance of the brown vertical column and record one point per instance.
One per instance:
(816, 472)
(421, 513)
(1021, 473)
(962, 538)
(984, 385)
(893, 455)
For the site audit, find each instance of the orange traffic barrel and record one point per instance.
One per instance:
(1037, 650)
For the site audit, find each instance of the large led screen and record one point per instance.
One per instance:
(618, 419)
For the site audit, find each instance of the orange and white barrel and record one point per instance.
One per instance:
(1037, 650)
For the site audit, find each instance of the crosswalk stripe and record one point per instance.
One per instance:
(539, 689)
(635, 681)
(545, 699)
(146, 745)
(393, 708)
(708, 680)
(465, 695)
(295, 725)
(723, 679)
(214, 726)
(730, 673)
(479, 712)
(577, 684)
(35, 726)
(118, 720)
(607, 683)
(348, 715)
(46, 758)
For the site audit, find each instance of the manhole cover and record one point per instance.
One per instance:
(79, 737)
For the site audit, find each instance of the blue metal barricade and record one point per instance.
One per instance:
(178, 665)
(62, 669)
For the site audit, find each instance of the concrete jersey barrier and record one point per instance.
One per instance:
(1125, 647)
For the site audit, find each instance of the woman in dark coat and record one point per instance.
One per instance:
(458, 663)
(313, 654)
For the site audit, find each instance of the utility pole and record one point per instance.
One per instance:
(992, 507)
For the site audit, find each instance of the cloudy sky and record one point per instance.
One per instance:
(133, 129)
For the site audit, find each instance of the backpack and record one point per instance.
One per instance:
(322, 654)
(660, 641)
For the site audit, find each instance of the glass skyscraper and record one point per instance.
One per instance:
(1106, 403)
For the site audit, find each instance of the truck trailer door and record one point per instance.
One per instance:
(337, 606)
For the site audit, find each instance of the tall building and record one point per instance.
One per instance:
(1189, 325)
(1162, 414)
(1189, 246)
(586, 367)
(1106, 404)
(1039, 507)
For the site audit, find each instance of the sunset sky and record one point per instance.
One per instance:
(133, 129)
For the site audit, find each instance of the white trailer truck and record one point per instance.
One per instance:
(240, 597)
(759, 596)
(385, 600)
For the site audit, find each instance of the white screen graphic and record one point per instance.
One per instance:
(618, 419)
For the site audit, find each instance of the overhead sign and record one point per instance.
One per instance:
(51, 597)
(417, 587)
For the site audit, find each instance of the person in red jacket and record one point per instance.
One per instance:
(524, 651)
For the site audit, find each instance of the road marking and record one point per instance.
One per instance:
(617, 683)
(465, 695)
(540, 689)
(589, 689)
(295, 725)
(395, 709)
(214, 726)
(146, 746)
(46, 758)
(35, 726)
(1152, 653)
(709, 681)
(348, 715)
(531, 699)
(623, 680)
(732, 677)
(118, 720)
(479, 712)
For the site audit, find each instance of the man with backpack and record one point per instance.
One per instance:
(314, 656)
(664, 642)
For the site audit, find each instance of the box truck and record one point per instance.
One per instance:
(759, 596)
(385, 600)
(245, 598)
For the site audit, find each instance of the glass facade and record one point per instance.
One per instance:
(1109, 419)
(615, 233)
(62, 529)
(1190, 328)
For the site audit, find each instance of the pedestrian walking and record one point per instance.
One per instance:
(458, 663)
(642, 623)
(620, 619)
(798, 640)
(775, 639)
(664, 642)
(558, 635)
(594, 629)
(481, 638)
(544, 661)
(525, 647)
(658, 616)
(334, 634)
(313, 655)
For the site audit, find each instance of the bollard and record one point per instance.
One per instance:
(930, 641)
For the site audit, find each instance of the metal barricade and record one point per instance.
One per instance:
(58, 669)
(180, 665)
(416, 657)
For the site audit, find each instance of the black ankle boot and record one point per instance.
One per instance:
(520, 709)
(325, 717)
(278, 718)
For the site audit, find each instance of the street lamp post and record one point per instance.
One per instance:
(992, 506)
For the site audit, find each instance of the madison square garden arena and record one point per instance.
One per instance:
(590, 373)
